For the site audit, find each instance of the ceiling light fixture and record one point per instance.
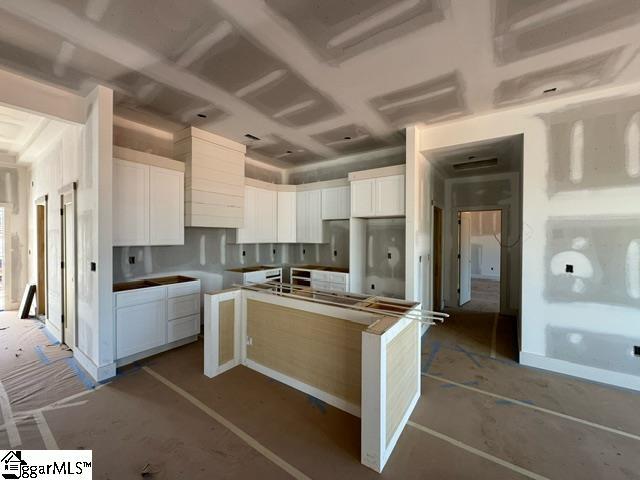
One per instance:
(550, 90)
(347, 138)
(202, 115)
(251, 137)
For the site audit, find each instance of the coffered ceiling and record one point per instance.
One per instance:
(315, 79)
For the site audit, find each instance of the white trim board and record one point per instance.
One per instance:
(98, 373)
(595, 374)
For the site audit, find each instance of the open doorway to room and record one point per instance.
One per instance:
(4, 250)
(479, 260)
(68, 229)
(41, 257)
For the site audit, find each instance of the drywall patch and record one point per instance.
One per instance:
(348, 139)
(426, 102)
(591, 146)
(576, 75)
(285, 151)
(337, 30)
(523, 29)
(595, 349)
(593, 259)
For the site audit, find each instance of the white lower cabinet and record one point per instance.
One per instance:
(140, 327)
(150, 318)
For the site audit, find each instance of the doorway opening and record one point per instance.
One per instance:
(4, 250)
(479, 260)
(68, 229)
(437, 258)
(41, 256)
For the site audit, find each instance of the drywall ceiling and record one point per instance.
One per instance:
(18, 130)
(314, 79)
(506, 151)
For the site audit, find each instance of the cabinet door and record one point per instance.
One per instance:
(362, 198)
(329, 203)
(140, 327)
(314, 216)
(389, 195)
(287, 217)
(166, 206)
(302, 222)
(267, 211)
(130, 203)
(248, 233)
(343, 210)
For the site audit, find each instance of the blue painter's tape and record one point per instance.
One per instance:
(49, 335)
(435, 347)
(82, 376)
(41, 355)
(317, 403)
(469, 355)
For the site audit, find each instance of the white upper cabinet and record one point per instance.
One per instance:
(287, 217)
(336, 203)
(379, 196)
(389, 195)
(362, 198)
(309, 217)
(148, 200)
(260, 216)
(166, 207)
(130, 203)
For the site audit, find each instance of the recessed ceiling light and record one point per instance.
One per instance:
(289, 151)
(202, 115)
(347, 138)
(252, 137)
(472, 157)
(550, 90)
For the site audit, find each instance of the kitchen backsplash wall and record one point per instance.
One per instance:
(206, 255)
(385, 261)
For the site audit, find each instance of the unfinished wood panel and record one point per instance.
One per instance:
(402, 371)
(321, 351)
(226, 328)
(41, 239)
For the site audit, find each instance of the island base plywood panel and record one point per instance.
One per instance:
(321, 351)
(226, 351)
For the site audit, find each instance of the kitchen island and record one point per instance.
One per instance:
(360, 354)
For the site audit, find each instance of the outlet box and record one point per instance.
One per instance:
(636, 350)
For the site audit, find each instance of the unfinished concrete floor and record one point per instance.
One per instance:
(481, 415)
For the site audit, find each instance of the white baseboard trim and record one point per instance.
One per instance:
(303, 387)
(583, 371)
(53, 330)
(98, 373)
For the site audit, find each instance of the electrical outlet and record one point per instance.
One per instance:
(274, 251)
(373, 286)
(249, 341)
(636, 350)
(568, 268)
(244, 253)
(132, 260)
(389, 255)
(335, 253)
(304, 251)
(94, 267)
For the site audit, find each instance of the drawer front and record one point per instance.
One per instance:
(182, 289)
(338, 278)
(320, 276)
(140, 296)
(183, 327)
(319, 285)
(183, 306)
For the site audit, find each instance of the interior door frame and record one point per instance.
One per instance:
(43, 201)
(7, 280)
(504, 234)
(69, 190)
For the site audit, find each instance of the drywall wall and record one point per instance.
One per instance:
(141, 137)
(501, 191)
(384, 272)
(82, 154)
(486, 244)
(14, 182)
(587, 219)
(425, 188)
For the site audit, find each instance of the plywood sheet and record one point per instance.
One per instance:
(402, 371)
(321, 351)
(226, 335)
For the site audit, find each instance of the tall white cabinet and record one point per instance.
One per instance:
(287, 217)
(378, 193)
(148, 199)
(309, 225)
